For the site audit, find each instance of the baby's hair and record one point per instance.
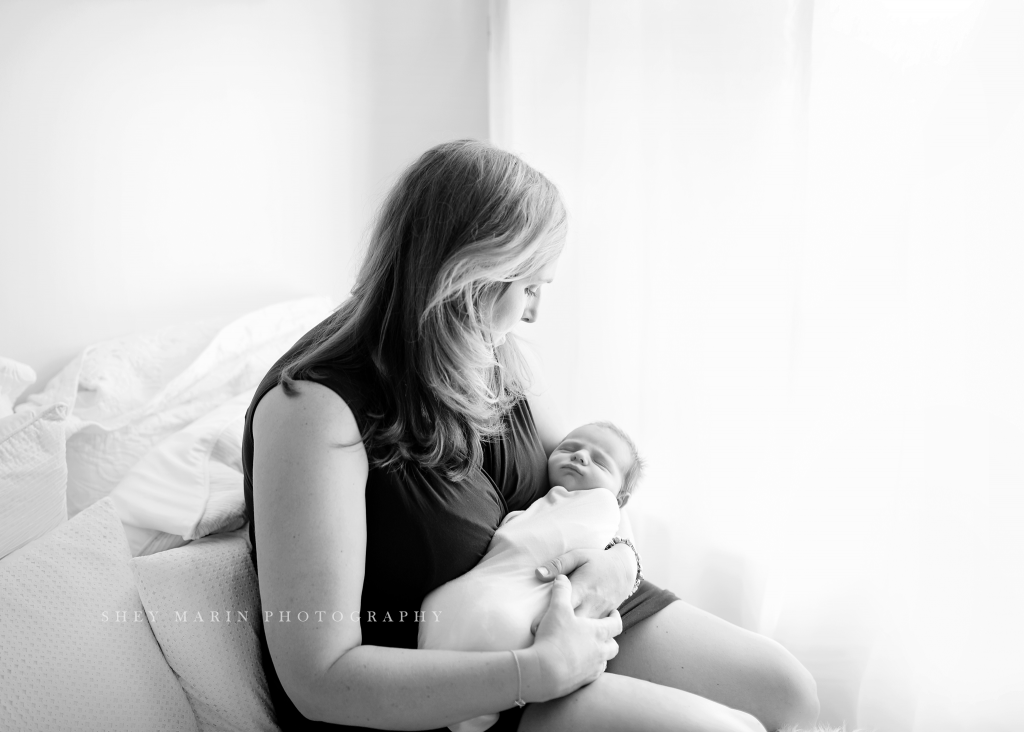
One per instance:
(636, 469)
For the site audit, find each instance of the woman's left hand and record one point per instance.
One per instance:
(601, 578)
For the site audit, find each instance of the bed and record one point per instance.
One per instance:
(127, 598)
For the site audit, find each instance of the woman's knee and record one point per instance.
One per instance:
(624, 704)
(794, 690)
(744, 722)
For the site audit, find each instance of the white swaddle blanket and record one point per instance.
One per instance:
(491, 607)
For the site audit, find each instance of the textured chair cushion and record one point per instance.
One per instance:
(33, 475)
(204, 602)
(76, 649)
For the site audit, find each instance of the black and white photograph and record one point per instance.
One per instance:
(328, 326)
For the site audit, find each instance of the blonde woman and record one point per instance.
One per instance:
(383, 450)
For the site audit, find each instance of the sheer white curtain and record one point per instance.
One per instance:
(794, 274)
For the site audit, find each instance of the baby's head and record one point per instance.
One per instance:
(597, 455)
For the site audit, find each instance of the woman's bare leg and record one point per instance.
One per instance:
(690, 649)
(614, 703)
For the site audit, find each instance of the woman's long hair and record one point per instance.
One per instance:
(461, 223)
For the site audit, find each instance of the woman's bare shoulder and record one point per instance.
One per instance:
(313, 407)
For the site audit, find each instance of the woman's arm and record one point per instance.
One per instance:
(310, 516)
(401, 688)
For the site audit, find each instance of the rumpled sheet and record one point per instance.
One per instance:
(155, 420)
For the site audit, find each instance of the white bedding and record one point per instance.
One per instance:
(155, 420)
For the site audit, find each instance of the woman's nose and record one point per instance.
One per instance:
(530, 313)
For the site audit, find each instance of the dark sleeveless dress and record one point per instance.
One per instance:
(422, 531)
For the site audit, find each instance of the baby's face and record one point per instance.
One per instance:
(589, 457)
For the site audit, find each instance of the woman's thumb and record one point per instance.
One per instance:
(564, 564)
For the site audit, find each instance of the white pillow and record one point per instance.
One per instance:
(33, 475)
(216, 657)
(190, 484)
(67, 661)
(129, 394)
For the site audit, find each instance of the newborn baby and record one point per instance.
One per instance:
(490, 608)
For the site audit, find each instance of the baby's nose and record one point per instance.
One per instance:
(581, 456)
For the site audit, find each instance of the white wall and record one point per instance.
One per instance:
(162, 161)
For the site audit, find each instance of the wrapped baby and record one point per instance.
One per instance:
(593, 471)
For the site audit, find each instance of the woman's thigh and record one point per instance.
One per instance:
(687, 648)
(615, 703)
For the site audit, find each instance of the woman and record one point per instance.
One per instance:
(381, 453)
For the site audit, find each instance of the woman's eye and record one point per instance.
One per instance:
(531, 292)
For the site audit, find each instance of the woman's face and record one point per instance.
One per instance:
(521, 301)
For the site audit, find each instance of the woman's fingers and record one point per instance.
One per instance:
(598, 581)
(559, 606)
(561, 592)
(572, 649)
(566, 564)
(613, 623)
